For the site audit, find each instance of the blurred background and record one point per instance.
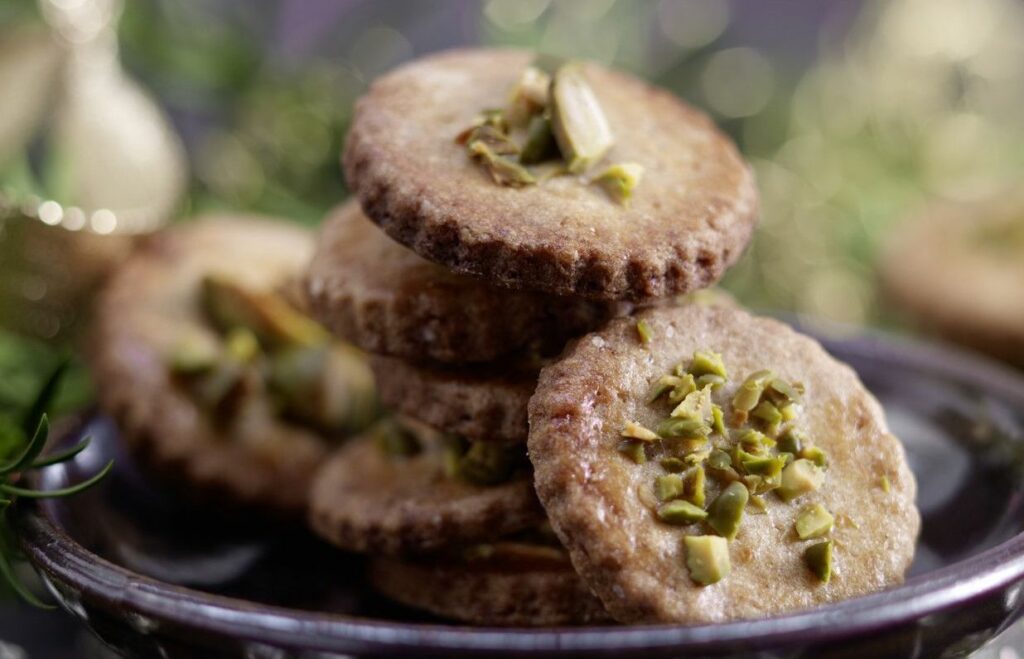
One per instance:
(116, 119)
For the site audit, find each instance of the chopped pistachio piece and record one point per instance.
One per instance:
(696, 406)
(693, 486)
(193, 356)
(726, 512)
(668, 486)
(758, 504)
(798, 478)
(718, 421)
(790, 411)
(540, 142)
(883, 481)
(815, 455)
(634, 450)
(502, 170)
(269, 316)
(673, 465)
(242, 345)
(620, 180)
(711, 380)
(769, 415)
(782, 392)
(393, 439)
(719, 459)
(707, 558)
(818, 558)
(814, 522)
(634, 430)
(486, 463)
(791, 441)
(707, 362)
(767, 467)
(643, 330)
(683, 429)
(749, 394)
(529, 96)
(662, 386)
(684, 387)
(577, 120)
(753, 441)
(680, 513)
(499, 142)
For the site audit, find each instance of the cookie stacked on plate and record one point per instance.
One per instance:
(481, 242)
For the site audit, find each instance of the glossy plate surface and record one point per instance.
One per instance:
(154, 577)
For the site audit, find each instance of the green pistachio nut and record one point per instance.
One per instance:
(683, 429)
(815, 455)
(577, 120)
(769, 416)
(502, 170)
(718, 421)
(707, 362)
(707, 558)
(673, 465)
(540, 143)
(726, 512)
(274, 321)
(814, 522)
(791, 441)
(643, 330)
(486, 463)
(680, 513)
(798, 478)
(634, 450)
(818, 558)
(193, 356)
(620, 180)
(694, 485)
(668, 486)
(749, 393)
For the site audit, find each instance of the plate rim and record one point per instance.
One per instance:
(61, 559)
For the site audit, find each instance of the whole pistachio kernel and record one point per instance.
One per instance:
(818, 558)
(673, 465)
(643, 330)
(726, 512)
(634, 450)
(502, 170)
(814, 522)
(680, 513)
(668, 486)
(707, 558)
(577, 120)
(707, 362)
(634, 430)
(798, 478)
(693, 486)
(620, 180)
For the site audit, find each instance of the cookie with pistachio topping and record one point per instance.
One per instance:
(571, 179)
(507, 583)
(215, 377)
(486, 403)
(388, 300)
(404, 488)
(723, 467)
(958, 270)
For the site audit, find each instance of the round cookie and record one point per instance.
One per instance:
(482, 403)
(604, 504)
(505, 584)
(149, 305)
(365, 499)
(689, 219)
(388, 300)
(958, 269)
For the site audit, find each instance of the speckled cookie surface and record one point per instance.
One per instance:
(388, 300)
(487, 404)
(507, 584)
(958, 269)
(364, 499)
(598, 500)
(690, 217)
(151, 302)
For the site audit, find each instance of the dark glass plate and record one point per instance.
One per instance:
(154, 577)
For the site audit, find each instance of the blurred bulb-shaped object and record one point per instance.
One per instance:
(103, 167)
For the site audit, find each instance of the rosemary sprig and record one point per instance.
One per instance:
(26, 440)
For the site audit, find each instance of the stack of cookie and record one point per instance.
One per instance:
(462, 288)
(554, 236)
